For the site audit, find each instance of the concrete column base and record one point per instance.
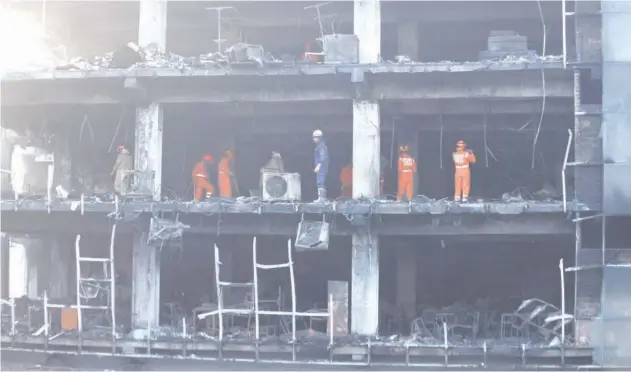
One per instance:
(365, 283)
(145, 284)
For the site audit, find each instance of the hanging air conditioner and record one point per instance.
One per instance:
(281, 186)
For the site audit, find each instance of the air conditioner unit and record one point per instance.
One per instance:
(280, 186)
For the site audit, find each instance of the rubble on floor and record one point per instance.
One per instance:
(131, 56)
(533, 322)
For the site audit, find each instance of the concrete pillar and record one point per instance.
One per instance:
(408, 134)
(145, 283)
(24, 267)
(406, 284)
(148, 135)
(148, 148)
(59, 268)
(366, 169)
(408, 40)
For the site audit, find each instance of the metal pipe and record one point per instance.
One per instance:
(578, 243)
(184, 336)
(563, 317)
(12, 317)
(46, 315)
(49, 185)
(78, 268)
(603, 231)
(331, 324)
(567, 154)
(219, 298)
(446, 343)
(256, 291)
(564, 27)
(293, 295)
(281, 313)
(578, 219)
(113, 284)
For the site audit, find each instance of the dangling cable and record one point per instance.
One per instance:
(543, 84)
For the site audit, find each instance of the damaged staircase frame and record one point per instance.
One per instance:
(256, 311)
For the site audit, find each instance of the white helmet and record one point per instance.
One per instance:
(317, 133)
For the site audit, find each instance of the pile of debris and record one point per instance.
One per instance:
(132, 56)
(504, 43)
(533, 322)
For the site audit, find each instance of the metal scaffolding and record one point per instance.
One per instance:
(221, 310)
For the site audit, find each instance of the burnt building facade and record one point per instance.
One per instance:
(537, 255)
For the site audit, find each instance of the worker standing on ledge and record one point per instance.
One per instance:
(201, 184)
(346, 179)
(407, 170)
(462, 182)
(321, 160)
(124, 163)
(225, 175)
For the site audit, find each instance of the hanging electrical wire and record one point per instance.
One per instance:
(486, 144)
(118, 127)
(440, 118)
(392, 142)
(83, 124)
(543, 85)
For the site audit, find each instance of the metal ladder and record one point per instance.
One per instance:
(85, 283)
(221, 310)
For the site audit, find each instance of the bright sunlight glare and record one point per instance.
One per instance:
(23, 43)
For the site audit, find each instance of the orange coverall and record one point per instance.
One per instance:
(462, 181)
(201, 185)
(224, 175)
(346, 179)
(407, 170)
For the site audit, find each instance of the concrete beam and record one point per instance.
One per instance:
(231, 224)
(279, 110)
(192, 15)
(523, 85)
(145, 284)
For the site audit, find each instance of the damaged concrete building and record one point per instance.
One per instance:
(532, 269)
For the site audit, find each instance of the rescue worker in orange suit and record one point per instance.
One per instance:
(462, 182)
(201, 183)
(124, 164)
(225, 175)
(346, 179)
(407, 170)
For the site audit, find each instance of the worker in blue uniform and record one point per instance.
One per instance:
(321, 160)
